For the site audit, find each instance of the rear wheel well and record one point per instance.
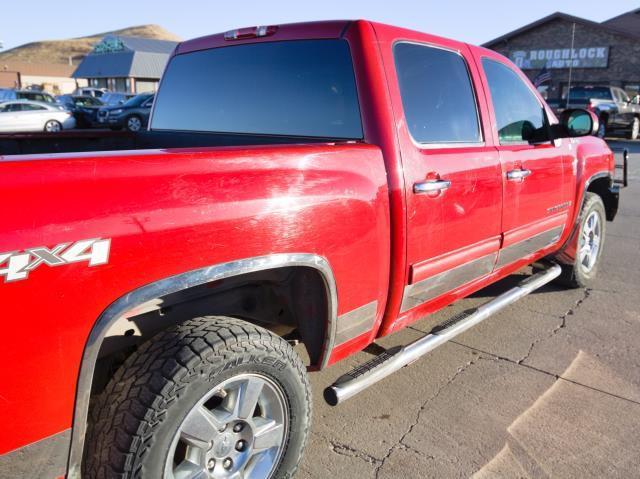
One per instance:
(289, 301)
(601, 187)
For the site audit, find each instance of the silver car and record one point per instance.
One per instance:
(26, 115)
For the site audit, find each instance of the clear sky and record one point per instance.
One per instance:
(474, 21)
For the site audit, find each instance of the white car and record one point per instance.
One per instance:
(26, 115)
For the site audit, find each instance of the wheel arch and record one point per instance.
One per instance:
(600, 183)
(147, 294)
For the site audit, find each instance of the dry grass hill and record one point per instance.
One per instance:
(59, 51)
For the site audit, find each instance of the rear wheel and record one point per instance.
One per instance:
(212, 398)
(591, 236)
(52, 126)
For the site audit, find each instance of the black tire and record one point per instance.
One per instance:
(576, 275)
(134, 421)
(634, 129)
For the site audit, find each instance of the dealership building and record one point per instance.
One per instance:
(125, 64)
(577, 52)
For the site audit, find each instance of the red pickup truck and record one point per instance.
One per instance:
(322, 183)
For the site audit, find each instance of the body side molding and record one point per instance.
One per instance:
(171, 285)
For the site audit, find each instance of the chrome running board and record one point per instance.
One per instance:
(396, 358)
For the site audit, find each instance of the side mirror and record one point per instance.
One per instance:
(575, 123)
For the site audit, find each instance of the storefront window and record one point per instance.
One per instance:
(121, 85)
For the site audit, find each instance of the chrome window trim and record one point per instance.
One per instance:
(173, 284)
(431, 145)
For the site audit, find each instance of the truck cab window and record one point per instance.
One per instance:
(519, 115)
(289, 88)
(437, 95)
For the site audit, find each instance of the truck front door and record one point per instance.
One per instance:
(538, 187)
(452, 174)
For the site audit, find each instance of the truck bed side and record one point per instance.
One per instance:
(166, 213)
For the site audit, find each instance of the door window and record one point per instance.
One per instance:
(437, 96)
(519, 115)
(31, 107)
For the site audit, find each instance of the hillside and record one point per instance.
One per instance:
(59, 51)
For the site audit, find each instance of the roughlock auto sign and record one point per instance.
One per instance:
(586, 57)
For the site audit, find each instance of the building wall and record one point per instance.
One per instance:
(624, 54)
(9, 79)
(56, 85)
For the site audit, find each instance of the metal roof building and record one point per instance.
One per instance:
(574, 51)
(126, 64)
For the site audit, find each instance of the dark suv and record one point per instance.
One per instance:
(132, 115)
(84, 108)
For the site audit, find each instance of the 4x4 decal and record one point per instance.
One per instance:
(17, 265)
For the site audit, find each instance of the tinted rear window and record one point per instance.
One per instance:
(291, 88)
(585, 93)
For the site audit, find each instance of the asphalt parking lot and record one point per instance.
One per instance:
(548, 388)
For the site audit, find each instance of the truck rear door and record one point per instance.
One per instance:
(536, 171)
(452, 175)
(624, 116)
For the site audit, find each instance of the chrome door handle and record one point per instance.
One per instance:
(431, 186)
(518, 174)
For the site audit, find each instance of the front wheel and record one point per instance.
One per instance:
(591, 236)
(214, 397)
(134, 123)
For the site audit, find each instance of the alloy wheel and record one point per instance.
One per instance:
(134, 124)
(237, 431)
(52, 126)
(589, 241)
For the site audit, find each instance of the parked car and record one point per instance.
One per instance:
(84, 108)
(33, 95)
(617, 113)
(26, 115)
(336, 183)
(90, 91)
(115, 98)
(132, 115)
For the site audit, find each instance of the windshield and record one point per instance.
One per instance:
(137, 100)
(291, 88)
(87, 101)
(586, 93)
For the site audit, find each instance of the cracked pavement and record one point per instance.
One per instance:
(550, 387)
